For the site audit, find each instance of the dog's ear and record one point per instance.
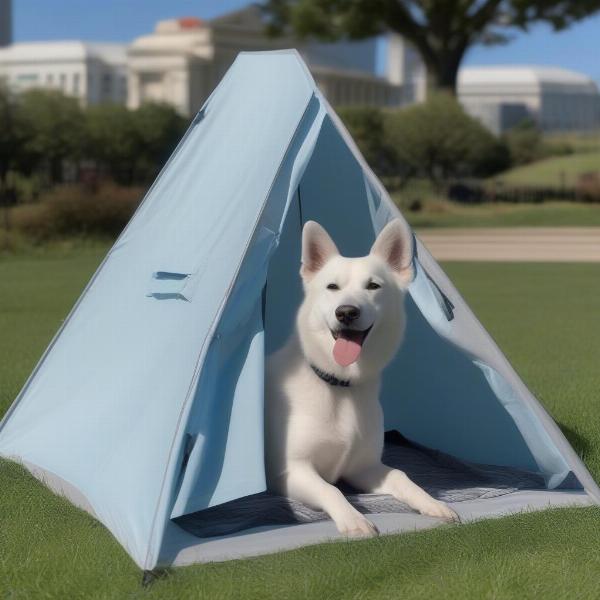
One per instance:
(395, 245)
(317, 249)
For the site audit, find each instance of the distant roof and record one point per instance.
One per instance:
(66, 50)
(527, 75)
(192, 34)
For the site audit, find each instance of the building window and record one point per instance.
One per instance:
(76, 84)
(26, 80)
(50, 79)
(27, 77)
(63, 82)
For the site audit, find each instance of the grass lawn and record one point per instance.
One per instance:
(436, 211)
(554, 172)
(546, 317)
(547, 214)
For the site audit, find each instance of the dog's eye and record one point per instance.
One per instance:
(333, 286)
(373, 286)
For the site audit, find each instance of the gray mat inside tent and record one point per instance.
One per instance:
(441, 475)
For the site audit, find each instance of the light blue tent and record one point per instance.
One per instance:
(148, 404)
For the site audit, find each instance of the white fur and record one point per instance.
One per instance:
(316, 433)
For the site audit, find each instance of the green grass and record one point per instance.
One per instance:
(436, 211)
(578, 142)
(547, 318)
(554, 172)
(549, 214)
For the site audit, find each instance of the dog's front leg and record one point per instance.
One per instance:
(381, 479)
(303, 483)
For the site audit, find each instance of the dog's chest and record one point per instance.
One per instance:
(334, 429)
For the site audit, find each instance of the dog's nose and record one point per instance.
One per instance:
(346, 313)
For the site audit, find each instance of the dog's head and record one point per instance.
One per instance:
(352, 319)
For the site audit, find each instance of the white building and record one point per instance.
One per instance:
(182, 61)
(556, 99)
(94, 73)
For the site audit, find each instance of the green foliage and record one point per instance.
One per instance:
(367, 127)
(159, 128)
(557, 172)
(438, 140)
(15, 133)
(57, 131)
(113, 140)
(524, 143)
(132, 145)
(552, 147)
(440, 30)
(73, 211)
(45, 130)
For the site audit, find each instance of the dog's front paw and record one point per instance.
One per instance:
(435, 508)
(355, 525)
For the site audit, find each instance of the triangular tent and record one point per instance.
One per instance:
(147, 407)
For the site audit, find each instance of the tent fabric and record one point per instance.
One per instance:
(148, 403)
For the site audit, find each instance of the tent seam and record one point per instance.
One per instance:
(209, 337)
(94, 277)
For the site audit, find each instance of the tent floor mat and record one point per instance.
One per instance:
(443, 476)
(184, 549)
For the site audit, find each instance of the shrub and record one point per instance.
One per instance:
(524, 143)
(73, 211)
(555, 148)
(15, 137)
(159, 127)
(367, 127)
(57, 126)
(113, 140)
(132, 145)
(438, 140)
(588, 187)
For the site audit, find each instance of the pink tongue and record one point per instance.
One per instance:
(345, 352)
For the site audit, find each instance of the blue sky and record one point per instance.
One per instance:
(122, 20)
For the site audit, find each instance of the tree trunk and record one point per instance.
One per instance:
(442, 71)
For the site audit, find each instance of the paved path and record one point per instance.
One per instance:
(520, 244)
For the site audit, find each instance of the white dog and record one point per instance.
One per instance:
(323, 417)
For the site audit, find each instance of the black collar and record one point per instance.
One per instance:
(329, 378)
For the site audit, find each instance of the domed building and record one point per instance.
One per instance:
(556, 99)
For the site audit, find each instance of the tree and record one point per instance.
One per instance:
(14, 157)
(133, 144)
(160, 128)
(438, 140)
(15, 133)
(57, 126)
(113, 140)
(367, 127)
(441, 30)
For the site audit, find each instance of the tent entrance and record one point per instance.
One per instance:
(433, 392)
